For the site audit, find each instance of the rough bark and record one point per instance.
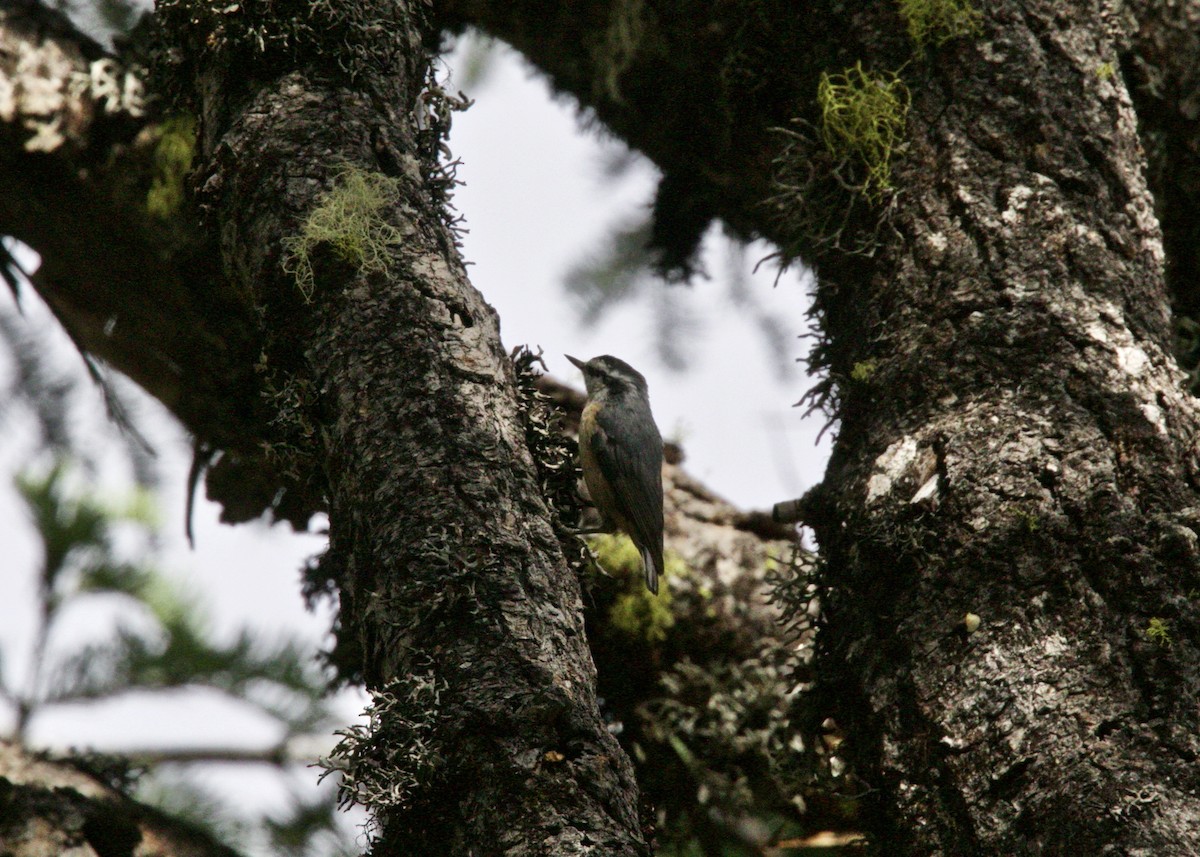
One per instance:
(142, 291)
(1023, 451)
(721, 621)
(394, 399)
(1011, 333)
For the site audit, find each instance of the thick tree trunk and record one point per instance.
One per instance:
(393, 395)
(1020, 449)
(1012, 339)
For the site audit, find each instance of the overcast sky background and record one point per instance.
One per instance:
(536, 202)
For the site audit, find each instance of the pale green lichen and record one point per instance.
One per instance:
(616, 554)
(1029, 520)
(863, 114)
(388, 761)
(172, 162)
(1159, 631)
(350, 220)
(636, 611)
(863, 371)
(938, 21)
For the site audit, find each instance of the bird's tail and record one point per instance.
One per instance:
(652, 562)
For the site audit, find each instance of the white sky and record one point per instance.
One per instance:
(535, 202)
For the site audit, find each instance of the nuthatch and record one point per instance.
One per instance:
(622, 452)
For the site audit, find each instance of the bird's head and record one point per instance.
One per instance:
(609, 375)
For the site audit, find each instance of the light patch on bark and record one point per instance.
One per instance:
(1088, 235)
(1132, 360)
(1097, 332)
(889, 467)
(926, 491)
(1139, 369)
(990, 53)
(1141, 210)
(904, 459)
(1055, 644)
(952, 742)
(54, 93)
(935, 245)
(1018, 199)
(20, 768)
(115, 88)
(1154, 416)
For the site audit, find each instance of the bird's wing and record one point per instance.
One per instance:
(630, 459)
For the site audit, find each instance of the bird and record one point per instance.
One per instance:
(621, 453)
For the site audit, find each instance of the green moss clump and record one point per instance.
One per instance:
(863, 371)
(1029, 521)
(616, 554)
(863, 114)
(172, 162)
(637, 612)
(939, 21)
(1159, 631)
(350, 219)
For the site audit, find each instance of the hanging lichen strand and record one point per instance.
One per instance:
(863, 115)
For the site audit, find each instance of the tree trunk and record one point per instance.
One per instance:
(719, 621)
(1014, 440)
(1018, 446)
(391, 391)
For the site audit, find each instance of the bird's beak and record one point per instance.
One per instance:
(576, 361)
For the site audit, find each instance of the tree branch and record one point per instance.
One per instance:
(687, 85)
(52, 806)
(77, 150)
(80, 153)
